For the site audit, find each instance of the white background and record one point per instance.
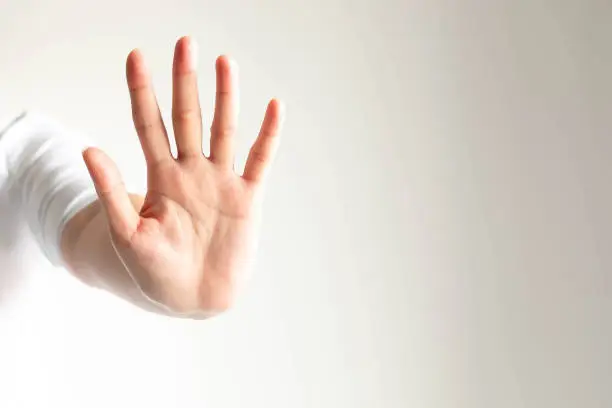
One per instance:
(438, 225)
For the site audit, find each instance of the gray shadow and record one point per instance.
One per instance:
(11, 229)
(12, 226)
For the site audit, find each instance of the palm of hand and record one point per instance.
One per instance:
(190, 245)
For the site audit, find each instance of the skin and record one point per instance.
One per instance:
(184, 249)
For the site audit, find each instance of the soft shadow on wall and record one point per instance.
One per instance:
(12, 227)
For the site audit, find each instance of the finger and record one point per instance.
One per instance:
(263, 150)
(226, 113)
(145, 111)
(186, 112)
(122, 217)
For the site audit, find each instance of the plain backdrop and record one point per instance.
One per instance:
(438, 222)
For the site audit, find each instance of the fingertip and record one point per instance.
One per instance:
(134, 58)
(183, 41)
(227, 76)
(85, 152)
(94, 153)
(185, 54)
(136, 69)
(87, 160)
(222, 61)
(275, 114)
(135, 53)
(225, 63)
(102, 168)
(89, 154)
(276, 107)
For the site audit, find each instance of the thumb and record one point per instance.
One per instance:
(122, 217)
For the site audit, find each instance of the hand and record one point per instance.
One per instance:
(190, 246)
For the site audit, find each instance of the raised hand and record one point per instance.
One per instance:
(190, 246)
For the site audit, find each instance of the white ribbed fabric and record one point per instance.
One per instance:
(42, 162)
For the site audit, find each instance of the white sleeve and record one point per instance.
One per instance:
(46, 172)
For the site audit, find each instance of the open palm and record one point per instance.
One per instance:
(189, 246)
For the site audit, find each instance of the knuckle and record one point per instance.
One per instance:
(222, 132)
(137, 88)
(143, 127)
(186, 115)
(258, 156)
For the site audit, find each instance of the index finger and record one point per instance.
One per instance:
(145, 111)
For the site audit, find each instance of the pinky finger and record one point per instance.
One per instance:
(263, 150)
